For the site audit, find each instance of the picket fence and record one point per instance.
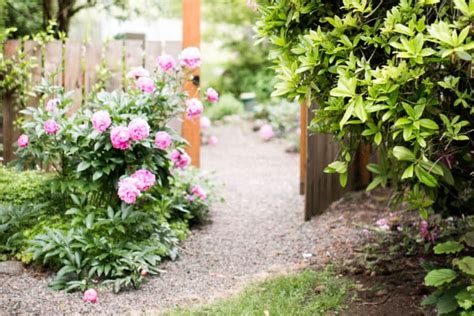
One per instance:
(75, 65)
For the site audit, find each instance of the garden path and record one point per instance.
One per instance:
(257, 231)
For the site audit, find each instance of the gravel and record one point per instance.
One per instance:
(257, 231)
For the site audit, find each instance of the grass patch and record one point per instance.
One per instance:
(307, 293)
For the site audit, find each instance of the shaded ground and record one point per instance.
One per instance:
(258, 231)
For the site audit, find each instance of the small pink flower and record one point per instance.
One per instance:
(199, 192)
(23, 141)
(213, 140)
(90, 296)
(139, 129)
(128, 190)
(52, 105)
(190, 198)
(146, 84)
(166, 62)
(145, 179)
(190, 57)
(180, 159)
(212, 95)
(383, 224)
(163, 140)
(205, 122)
(425, 231)
(266, 132)
(120, 137)
(138, 72)
(144, 273)
(51, 127)
(101, 121)
(194, 108)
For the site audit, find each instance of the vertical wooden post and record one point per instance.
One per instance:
(303, 145)
(192, 37)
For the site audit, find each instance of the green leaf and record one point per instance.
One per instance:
(359, 109)
(427, 123)
(448, 247)
(403, 153)
(90, 220)
(468, 239)
(408, 173)
(83, 166)
(465, 299)
(439, 277)
(465, 264)
(97, 175)
(425, 177)
(346, 87)
(447, 303)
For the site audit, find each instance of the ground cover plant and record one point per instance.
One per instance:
(306, 293)
(125, 194)
(398, 76)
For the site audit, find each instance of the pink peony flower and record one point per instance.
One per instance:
(266, 132)
(120, 137)
(212, 95)
(166, 62)
(145, 179)
(146, 84)
(180, 159)
(213, 140)
(199, 192)
(90, 296)
(138, 72)
(101, 121)
(205, 122)
(163, 140)
(139, 129)
(51, 127)
(193, 108)
(383, 224)
(190, 57)
(52, 105)
(23, 141)
(128, 190)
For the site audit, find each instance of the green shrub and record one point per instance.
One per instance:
(18, 188)
(227, 105)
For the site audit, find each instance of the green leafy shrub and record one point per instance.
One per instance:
(227, 105)
(396, 75)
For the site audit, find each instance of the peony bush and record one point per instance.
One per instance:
(115, 162)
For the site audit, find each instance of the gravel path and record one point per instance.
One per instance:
(258, 230)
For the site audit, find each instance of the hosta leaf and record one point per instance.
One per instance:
(448, 247)
(465, 264)
(439, 277)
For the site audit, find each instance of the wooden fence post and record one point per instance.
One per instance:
(303, 144)
(191, 130)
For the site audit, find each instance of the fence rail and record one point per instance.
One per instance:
(75, 65)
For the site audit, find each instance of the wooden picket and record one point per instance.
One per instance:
(74, 65)
(317, 151)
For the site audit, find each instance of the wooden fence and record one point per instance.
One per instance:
(75, 66)
(317, 151)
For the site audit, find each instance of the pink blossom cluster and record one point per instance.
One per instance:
(101, 121)
(163, 140)
(166, 62)
(425, 232)
(383, 224)
(212, 95)
(51, 127)
(190, 58)
(52, 105)
(180, 159)
(194, 108)
(139, 129)
(23, 141)
(213, 140)
(205, 122)
(130, 188)
(199, 192)
(146, 84)
(138, 72)
(90, 296)
(266, 132)
(120, 137)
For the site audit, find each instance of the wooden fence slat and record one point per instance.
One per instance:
(174, 48)
(134, 54)
(32, 49)
(53, 62)
(92, 56)
(73, 73)
(153, 50)
(114, 63)
(8, 132)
